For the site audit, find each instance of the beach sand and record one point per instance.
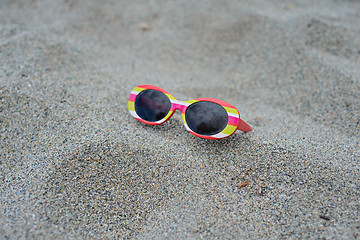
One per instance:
(75, 164)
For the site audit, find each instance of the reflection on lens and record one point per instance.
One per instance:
(206, 118)
(152, 105)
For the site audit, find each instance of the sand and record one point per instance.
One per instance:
(75, 164)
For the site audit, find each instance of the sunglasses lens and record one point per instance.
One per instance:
(206, 118)
(152, 105)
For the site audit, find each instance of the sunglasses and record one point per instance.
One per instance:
(203, 117)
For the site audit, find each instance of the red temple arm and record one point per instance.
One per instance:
(243, 126)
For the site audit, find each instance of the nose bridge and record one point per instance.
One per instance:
(176, 104)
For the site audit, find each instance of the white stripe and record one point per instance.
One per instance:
(233, 114)
(220, 135)
(161, 121)
(187, 128)
(135, 92)
(179, 102)
(134, 114)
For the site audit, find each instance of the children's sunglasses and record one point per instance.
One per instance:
(204, 117)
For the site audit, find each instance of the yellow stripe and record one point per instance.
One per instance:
(232, 110)
(168, 115)
(170, 96)
(183, 118)
(191, 101)
(229, 129)
(131, 106)
(138, 89)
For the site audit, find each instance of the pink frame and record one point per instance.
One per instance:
(234, 122)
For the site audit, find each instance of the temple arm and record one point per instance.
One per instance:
(243, 126)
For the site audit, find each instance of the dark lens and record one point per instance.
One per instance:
(152, 105)
(206, 118)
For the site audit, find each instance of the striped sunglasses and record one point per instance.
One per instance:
(203, 117)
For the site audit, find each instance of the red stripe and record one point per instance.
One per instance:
(154, 88)
(220, 102)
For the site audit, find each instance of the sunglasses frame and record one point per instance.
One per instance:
(234, 120)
